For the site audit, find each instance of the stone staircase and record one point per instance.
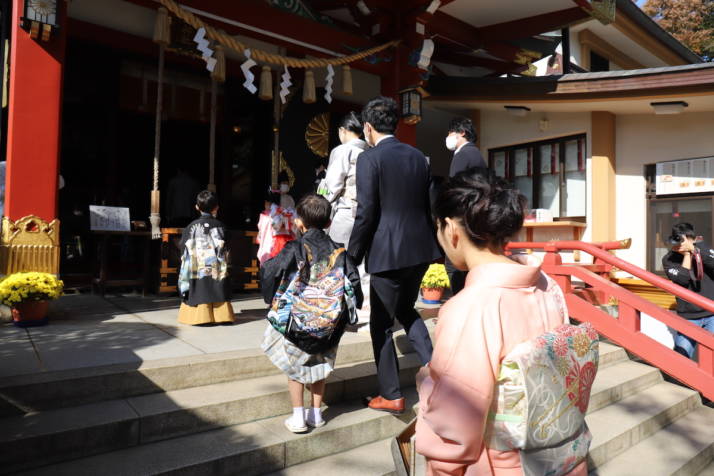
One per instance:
(223, 414)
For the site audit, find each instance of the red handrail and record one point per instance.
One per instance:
(625, 330)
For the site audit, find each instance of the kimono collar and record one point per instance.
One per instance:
(206, 215)
(524, 272)
(359, 143)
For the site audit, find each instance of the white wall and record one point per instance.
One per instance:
(499, 129)
(648, 139)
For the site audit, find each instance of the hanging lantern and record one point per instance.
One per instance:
(40, 15)
(162, 27)
(411, 106)
(266, 84)
(346, 80)
(308, 90)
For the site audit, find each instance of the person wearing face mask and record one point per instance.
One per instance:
(394, 233)
(341, 185)
(460, 140)
(286, 200)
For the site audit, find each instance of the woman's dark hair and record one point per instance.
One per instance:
(314, 211)
(207, 201)
(382, 113)
(463, 124)
(490, 210)
(283, 176)
(686, 229)
(271, 197)
(352, 123)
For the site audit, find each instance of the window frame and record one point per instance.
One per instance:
(536, 169)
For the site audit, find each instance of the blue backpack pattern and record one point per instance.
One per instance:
(310, 305)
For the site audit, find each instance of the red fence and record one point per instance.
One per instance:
(625, 329)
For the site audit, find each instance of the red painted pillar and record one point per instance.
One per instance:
(391, 86)
(33, 127)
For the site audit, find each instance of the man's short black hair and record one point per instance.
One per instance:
(686, 229)
(465, 125)
(382, 113)
(207, 201)
(314, 211)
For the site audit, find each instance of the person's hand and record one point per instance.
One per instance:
(685, 247)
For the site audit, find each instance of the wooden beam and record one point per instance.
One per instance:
(589, 41)
(637, 34)
(461, 59)
(260, 15)
(529, 26)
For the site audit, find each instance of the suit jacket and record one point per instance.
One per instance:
(393, 226)
(468, 157)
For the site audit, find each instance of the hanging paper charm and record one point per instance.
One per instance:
(249, 77)
(328, 86)
(206, 52)
(285, 85)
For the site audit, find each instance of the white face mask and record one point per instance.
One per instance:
(451, 141)
(284, 188)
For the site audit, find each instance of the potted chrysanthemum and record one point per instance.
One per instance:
(28, 295)
(433, 283)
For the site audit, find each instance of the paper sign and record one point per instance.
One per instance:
(109, 218)
(685, 176)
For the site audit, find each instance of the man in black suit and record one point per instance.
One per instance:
(394, 229)
(460, 139)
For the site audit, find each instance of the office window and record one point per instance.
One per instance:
(551, 174)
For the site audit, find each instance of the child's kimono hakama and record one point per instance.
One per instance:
(204, 282)
(297, 364)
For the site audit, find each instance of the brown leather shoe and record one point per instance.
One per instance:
(382, 404)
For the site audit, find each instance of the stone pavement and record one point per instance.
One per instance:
(89, 331)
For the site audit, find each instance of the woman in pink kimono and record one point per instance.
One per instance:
(506, 301)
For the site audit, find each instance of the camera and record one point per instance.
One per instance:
(675, 239)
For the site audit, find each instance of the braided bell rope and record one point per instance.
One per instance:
(263, 56)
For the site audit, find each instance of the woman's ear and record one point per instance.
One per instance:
(451, 232)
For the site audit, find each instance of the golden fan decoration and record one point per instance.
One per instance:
(284, 166)
(317, 134)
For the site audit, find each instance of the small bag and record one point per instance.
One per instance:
(542, 394)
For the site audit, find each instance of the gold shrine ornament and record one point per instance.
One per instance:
(317, 134)
(29, 244)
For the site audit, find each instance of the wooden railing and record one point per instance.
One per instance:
(625, 329)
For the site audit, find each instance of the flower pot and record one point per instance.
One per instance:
(30, 313)
(432, 295)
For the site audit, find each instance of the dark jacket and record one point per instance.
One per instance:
(273, 271)
(468, 157)
(204, 275)
(672, 263)
(393, 226)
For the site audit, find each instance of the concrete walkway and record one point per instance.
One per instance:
(90, 331)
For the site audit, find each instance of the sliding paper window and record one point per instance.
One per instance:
(551, 174)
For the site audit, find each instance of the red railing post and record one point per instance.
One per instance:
(706, 359)
(629, 317)
(625, 330)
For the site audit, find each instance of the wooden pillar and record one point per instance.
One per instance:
(33, 137)
(33, 130)
(603, 196)
(476, 119)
